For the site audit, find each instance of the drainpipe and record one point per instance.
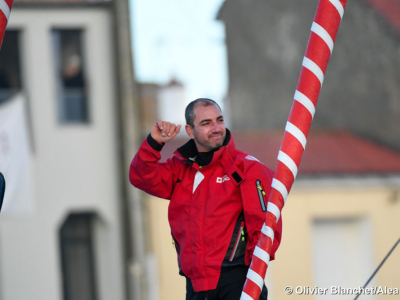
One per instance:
(132, 208)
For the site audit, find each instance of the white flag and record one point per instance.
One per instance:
(15, 157)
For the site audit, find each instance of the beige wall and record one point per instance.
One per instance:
(171, 284)
(381, 205)
(376, 200)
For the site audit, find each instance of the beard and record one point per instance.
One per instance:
(211, 142)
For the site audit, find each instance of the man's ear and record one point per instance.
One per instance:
(189, 131)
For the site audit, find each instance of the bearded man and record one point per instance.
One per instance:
(218, 200)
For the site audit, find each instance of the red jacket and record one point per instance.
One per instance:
(216, 211)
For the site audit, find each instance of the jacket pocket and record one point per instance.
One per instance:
(261, 195)
(237, 245)
(240, 237)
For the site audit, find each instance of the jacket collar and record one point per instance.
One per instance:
(188, 153)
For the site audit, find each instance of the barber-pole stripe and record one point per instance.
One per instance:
(268, 231)
(273, 209)
(313, 67)
(261, 254)
(338, 6)
(256, 278)
(5, 9)
(326, 24)
(288, 162)
(297, 133)
(323, 34)
(244, 296)
(280, 187)
(305, 101)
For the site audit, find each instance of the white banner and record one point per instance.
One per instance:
(15, 157)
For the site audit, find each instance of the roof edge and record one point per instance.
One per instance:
(348, 181)
(60, 4)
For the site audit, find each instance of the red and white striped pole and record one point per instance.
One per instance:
(319, 49)
(5, 7)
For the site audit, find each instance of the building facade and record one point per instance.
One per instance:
(266, 42)
(72, 240)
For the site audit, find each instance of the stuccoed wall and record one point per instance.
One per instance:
(74, 167)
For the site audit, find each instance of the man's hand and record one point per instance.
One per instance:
(163, 131)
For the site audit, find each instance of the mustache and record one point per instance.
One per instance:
(215, 135)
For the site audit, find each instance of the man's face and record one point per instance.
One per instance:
(209, 128)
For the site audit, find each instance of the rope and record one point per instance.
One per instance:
(380, 265)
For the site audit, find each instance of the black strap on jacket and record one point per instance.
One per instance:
(2, 189)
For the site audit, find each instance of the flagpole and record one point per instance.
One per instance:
(5, 7)
(319, 49)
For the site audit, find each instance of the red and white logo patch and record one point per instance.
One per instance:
(223, 179)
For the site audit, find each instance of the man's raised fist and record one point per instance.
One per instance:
(163, 131)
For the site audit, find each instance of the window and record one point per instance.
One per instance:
(342, 255)
(77, 257)
(10, 76)
(70, 76)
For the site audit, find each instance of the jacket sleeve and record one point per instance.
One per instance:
(151, 176)
(255, 204)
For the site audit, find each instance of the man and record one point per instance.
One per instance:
(218, 200)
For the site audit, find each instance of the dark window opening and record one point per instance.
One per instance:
(77, 257)
(70, 76)
(10, 75)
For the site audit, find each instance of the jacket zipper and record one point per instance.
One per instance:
(239, 236)
(261, 194)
